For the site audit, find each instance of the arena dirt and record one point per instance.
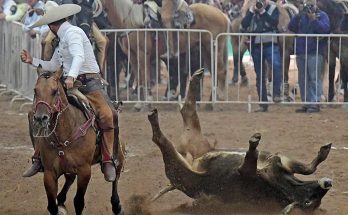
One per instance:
(296, 135)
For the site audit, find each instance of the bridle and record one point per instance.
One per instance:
(56, 109)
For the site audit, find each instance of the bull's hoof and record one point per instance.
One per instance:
(153, 116)
(62, 210)
(254, 141)
(324, 152)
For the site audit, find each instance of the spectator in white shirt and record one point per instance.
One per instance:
(34, 13)
(75, 54)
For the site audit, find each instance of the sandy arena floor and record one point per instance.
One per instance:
(296, 135)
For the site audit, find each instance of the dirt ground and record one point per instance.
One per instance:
(296, 135)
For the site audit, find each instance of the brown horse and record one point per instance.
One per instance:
(67, 144)
(139, 46)
(208, 18)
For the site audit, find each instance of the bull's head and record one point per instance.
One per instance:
(279, 173)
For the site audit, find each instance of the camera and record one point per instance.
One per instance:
(308, 8)
(259, 4)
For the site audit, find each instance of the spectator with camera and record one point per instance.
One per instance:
(263, 17)
(34, 13)
(310, 53)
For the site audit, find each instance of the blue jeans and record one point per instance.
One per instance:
(309, 79)
(271, 54)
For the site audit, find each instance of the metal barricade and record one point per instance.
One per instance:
(16, 76)
(290, 84)
(162, 88)
(138, 82)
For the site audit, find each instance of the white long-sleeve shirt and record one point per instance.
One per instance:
(74, 52)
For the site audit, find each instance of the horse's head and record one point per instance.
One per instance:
(49, 97)
(167, 12)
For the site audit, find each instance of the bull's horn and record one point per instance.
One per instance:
(288, 208)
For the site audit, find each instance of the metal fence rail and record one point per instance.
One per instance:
(336, 45)
(161, 80)
(168, 81)
(16, 76)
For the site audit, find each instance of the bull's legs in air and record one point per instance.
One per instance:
(188, 111)
(248, 168)
(307, 169)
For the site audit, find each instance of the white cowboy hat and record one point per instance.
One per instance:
(54, 12)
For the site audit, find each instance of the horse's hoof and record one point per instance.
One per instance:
(62, 210)
(288, 99)
(121, 212)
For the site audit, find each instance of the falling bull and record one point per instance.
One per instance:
(257, 178)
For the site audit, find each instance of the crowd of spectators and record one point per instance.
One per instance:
(262, 17)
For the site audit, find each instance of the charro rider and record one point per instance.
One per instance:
(75, 54)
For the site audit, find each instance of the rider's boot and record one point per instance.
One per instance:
(36, 166)
(108, 167)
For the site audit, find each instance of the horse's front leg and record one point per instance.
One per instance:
(115, 200)
(69, 180)
(51, 187)
(83, 177)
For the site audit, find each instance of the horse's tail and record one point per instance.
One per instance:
(228, 31)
